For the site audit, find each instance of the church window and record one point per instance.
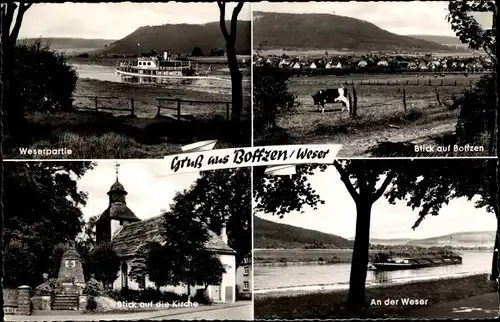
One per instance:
(247, 270)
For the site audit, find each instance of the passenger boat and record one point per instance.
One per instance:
(397, 263)
(155, 68)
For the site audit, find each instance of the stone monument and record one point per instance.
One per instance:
(70, 281)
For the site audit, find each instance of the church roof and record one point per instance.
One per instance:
(117, 187)
(128, 240)
(119, 210)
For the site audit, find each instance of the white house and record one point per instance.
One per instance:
(313, 65)
(383, 63)
(127, 233)
(296, 65)
(362, 64)
(328, 65)
(339, 65)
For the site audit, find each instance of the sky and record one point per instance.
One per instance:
(338, 215)
(115, 20)
(403, 18)
(149, 191)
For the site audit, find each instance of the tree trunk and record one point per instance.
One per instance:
(494, 263)
(359, 265)
(236, 84)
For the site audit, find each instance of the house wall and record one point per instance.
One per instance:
(228, 280)
(242, 277)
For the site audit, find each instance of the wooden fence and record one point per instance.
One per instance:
(353, 100)
(408, 82)
(179, 102)
(98, 108)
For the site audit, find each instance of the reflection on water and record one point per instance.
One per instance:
(290, 276)
(216, 83)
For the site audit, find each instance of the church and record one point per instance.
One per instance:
(126, 233)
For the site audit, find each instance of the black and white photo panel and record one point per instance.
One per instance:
(385, 238)
(121, 240)
(138, 80)
(384, 79)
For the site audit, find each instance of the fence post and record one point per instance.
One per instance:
(437, 96)
(95, 100)
(404, 98)
(132, 106)
(354, 105)
(178, 109)
(418, 81)
(455, 82)
(228, 111)
(430, 82)
(159, 108)
(441, 82)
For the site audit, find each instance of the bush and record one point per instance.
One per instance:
(201, 297)
(44, 289)
(91, 304)
(93, 288)
(44, 81)
(147, 295)
(271, 97)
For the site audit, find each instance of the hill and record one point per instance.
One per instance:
(328, 31)
(73, 43)
(467, 239)
(268, 234)
(180, 39)
(443, 40)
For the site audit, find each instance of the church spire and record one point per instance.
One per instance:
(117, 167)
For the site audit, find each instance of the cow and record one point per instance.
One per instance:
(331, 95)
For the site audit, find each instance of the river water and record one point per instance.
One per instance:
(336, 276)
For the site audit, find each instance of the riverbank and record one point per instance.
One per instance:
(110, 134)
(288, 257)
(328, 305)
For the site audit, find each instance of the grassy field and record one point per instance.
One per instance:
(330, 305)
(381, 114)
(118, 135)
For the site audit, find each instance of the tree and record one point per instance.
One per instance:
(467, 28)
(139, 265)
(184, 237)
(209, 269)
(236, 76)
(20, 266)
(162, 266)
(41, 207)
(367, 181)
(14, 114)
(105, 264)
(271, 97)
(223, 197)
(196, 52)
(478, 106)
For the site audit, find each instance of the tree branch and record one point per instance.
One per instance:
(8, 12)
(19, 20)
(234, 20)
(345, 179)
(222, 20)
(384, 186)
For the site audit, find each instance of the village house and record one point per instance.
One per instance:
(127, 233)
(244, 278)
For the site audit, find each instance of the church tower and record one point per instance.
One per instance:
(116, 215)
